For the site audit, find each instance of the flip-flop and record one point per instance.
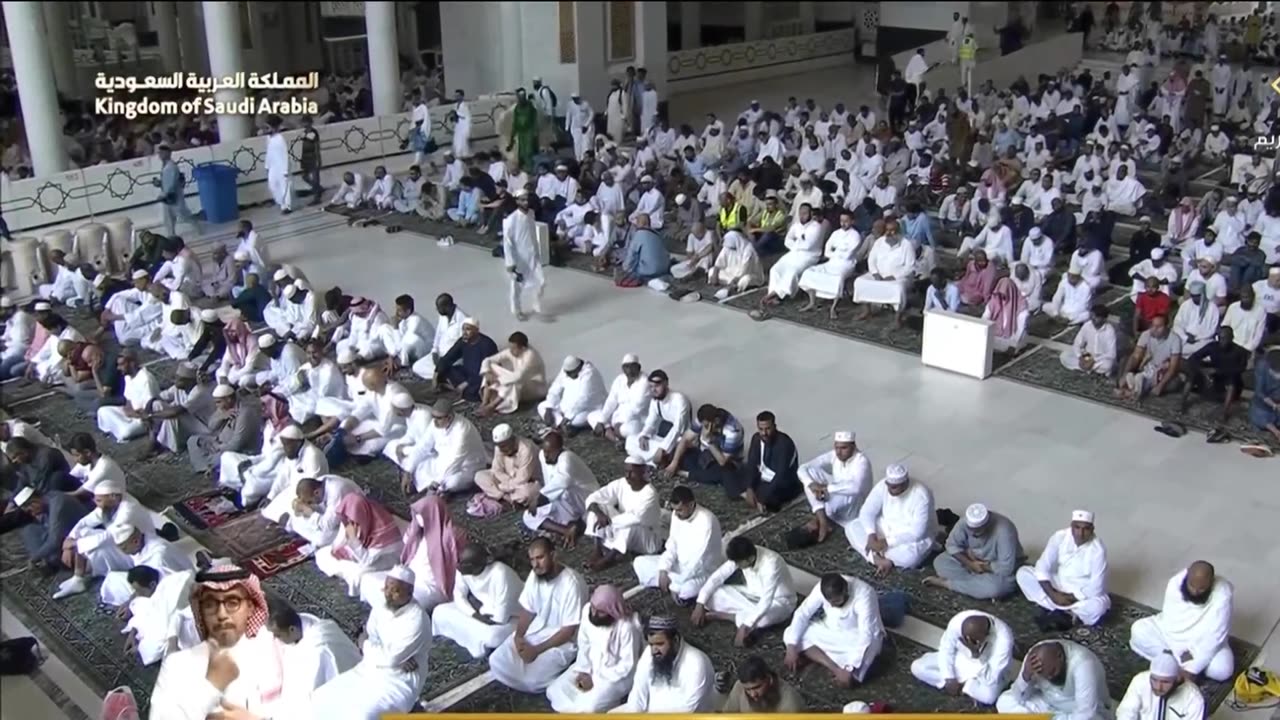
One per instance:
(1258, 451)
(759, 315)
(1217, 436)
(1164, 429)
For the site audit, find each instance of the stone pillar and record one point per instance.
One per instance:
(384, 59)
(690, 25)
(511, 20)
(195, 51)
(34, 72)
(222, 34)
(808, 18)
(57, 24)
(753, 21)
(651, 43)
(166, 27)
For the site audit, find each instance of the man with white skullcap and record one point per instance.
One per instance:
(972, 658)
(515, 475)
(1156, 266)
(217, 283)
(129, 419)
(234, 427)
(89, 549)
(626, 406)
(1161, 692)
(284, 360)
(624, 517)
(179, 329)
(134, 313)
(523, 257)
(274, 474)
(275, 314)
(1059, 678)
(1070, 578)
(393, 671)
(650, 203)
(982, 554)
(896, 524)
(577, 391)
(836, 483)
(1193, 624)
(181, 411)
(139, 548)
(53, 515)
(440, 451)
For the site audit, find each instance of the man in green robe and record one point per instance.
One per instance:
(524, 130)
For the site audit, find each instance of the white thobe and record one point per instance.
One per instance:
(251, 245)
(1082, 697)
(374, 413)
(627, 406)
(349, 194)
(362, 332)
(1140, 703)
(1230, 227)
(462, 130)
(1247, 326)
(18, 332)
(156, 553)
(1100, 343)
(284, 372)
(994, 241)
(851, 634)
(609, 656)
(198, 407)
(1197, 324)
(320, 528)
(181, 691)
(1038, 256)
(270, 474)
(648, 110)
(520, 252)
(894, 263)
(634, 518)
(140, 313)
(443, 459)
(497, 590)
(1198, 629)
(767, 598)
(1070, 302)
(982, 676)
(579, 120)
(804, 248)
(140, 390)
(379, 684)
(847, 483)
(92, 535)
(694, 549)
(1091, 266)
(165, 615)
(1078, 570)
(555, 604)
(104, 468)
(652, 204)
(323, 653)
(1167, 272)
(675, 410)
(408, 339)
(68, 287)
(278, 176)
(566, 485)
(1123, 195)
(572, 400)
(906, 522)
(690, 689)
(827, 280)
(323, 380)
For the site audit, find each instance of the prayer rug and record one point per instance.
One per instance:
(245, 537)
(13, 555)
(1109, 640)
(17, 394)
(1044, 370)
(209, 509)
(1043, 326)
(278, 559)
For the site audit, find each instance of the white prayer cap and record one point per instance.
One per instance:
(266, 341)
(1157, 254)
(571, 362)
(1165, 666)
(1034, 233)
(806, 177)
(630, 359)
(139, 274)
(709, 176)
(281, 274)
(522, 192)
(43, 306)
(401, 400)
(292, 432)
(771, 195)
(681, 198)
(1083, 516)
(120, 533)
(561, 166)
(537, 79)
(347, 355)
(24, 495)
(857, 707)
(108, 487)
(99, 281)
(646, 179)
(5, 302)
(403, 574)
(240, 256)
(1145, 219)
(895, 474)
(502, 433)
(208, 315)
(223, 391)
(845, 436)
(973, 163)
(301, 284)
(976, 515)
(635, 460)
(290, 290)
(1017, 201)
(472, 322)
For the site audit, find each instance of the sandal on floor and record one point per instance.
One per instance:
(1172, 429)
(1217, 436)
(758, 315)
(1258, 451)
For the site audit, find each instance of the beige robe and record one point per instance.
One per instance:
(516, 379)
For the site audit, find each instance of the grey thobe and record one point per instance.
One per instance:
(999, 547)
(238, 430)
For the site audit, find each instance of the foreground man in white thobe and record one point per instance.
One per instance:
(522, 258)
(485, 605)
(896, 525)
(1192, 625)
(313, 652)
(972, 657)
(1062, 679)
(846, 639)
(836, 483)
(673, 676)
(561, 501)
(668, 419)
(443, 456)
(235, 668)
(393, 670)
(544, 643)
(804, 250)
(626, 406)
(624, 516)
(768, 598)
(1070, 578)
(576, 392)
(609, 646)
(695, 548)
(129, 420)
(160, 620)
(1160, 693)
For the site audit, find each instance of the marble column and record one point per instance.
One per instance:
(57, 24)
(808, 17)
(753, 20)
(194, 49)
(222, 35)
(384, 59)
(690, 25)
(33, 70)
(166, 27)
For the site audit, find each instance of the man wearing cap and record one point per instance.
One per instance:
(49, 518)
(236, 667)
(767, 598)
(269, 474)
(836, 483)
(1070, 578)
(896, 524)
(89, 549)
(672, 676)
(522, 258)
(394, 667)
(443, 455)
(1059, 678)
(624, 517)
(217, 285)
(1161, 692)
(1124, 192)
(129, 419)
(459, 366)
(485, 605)
(576, 392)
(667, 420)
(68, 285)
(134, 313)
(285, 361)
(1071, 300)
(651, 203)
(1156, 266)
(181, 411)
(1192, 626)
(515, 474)
(580, 122)
(377, 417)
(626, 406)
(848, 635)
(180, 328)
(972, 658)
(19, 328)
(982, 554)
(234, 427)
(139, 548)
(544, 643)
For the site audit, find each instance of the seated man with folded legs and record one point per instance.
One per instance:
(485, 605)
(982, 554)
(896, 525)
(848, 636)
(836, 484)
(1059, 678)
(560, 504)
(624, 517)
(1193, 624)
(694, 550)
(768, 598)
(972, 658)
(1069, 581)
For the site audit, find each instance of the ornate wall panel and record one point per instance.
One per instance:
(702, 62)
(622, 30)
(568, 34)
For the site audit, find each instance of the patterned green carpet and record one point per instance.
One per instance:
(1109, 640)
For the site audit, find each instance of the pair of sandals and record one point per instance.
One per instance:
(1217, 436)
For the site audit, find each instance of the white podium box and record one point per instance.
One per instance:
(959, 343)
(544, 242)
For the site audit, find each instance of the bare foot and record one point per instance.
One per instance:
(935, 581)
(863, 314)
(824, 530)
(809, 305)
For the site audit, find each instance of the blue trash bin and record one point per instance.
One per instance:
(216, 183)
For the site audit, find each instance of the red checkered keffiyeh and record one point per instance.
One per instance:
(257, 620)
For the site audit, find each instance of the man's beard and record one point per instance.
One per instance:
(600, 620)
(664, 666)
(768, 701)
(1190, 597)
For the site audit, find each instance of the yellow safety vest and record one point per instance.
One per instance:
(968, 48)
(768, 220)
(729, 216)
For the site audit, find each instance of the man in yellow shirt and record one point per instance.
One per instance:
(968, 55)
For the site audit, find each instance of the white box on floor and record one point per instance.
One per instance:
(543, 235)
(959, 343)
